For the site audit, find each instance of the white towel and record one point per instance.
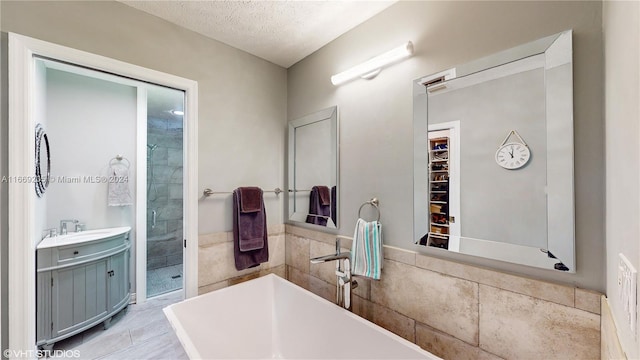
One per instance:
(118, 178)
(366, 250)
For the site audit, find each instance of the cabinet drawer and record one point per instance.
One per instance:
(82, 251)
(54, 257)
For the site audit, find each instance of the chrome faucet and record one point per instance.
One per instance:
(63, 225)
(52, 232)
(344, 283)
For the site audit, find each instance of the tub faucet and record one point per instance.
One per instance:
(344, 283)
(63, 225)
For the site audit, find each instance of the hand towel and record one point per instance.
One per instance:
(250, 242)
(319, 206)
(250, 199)
(366, 250)
(118, 187)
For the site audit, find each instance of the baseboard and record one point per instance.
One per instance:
(610, 347)
(133, 299)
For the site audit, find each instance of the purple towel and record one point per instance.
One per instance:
(250, 244)
(318, 212)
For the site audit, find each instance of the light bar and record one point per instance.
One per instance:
(372, 67)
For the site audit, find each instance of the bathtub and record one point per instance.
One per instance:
(271, 318)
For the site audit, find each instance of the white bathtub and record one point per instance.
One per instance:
(271, 318)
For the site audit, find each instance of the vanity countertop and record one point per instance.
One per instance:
(82, 237)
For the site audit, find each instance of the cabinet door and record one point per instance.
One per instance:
(78, 296)
(118, 280)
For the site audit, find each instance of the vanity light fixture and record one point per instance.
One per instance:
(370, 68)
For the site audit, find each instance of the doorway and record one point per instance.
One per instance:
(165, 110)
(24, 227)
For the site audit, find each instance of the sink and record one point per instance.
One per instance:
(82, 236)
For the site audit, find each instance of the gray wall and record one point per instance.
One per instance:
(376, 119)
(487, 113)
(242, 99)
(622, 113)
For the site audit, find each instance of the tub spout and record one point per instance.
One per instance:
(332, 257)
(344, 283)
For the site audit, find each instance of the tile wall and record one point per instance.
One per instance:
(458, 311)
(216, 266)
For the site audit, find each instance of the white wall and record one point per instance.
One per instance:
(622, 119)
(242, 99)
(89, 122)
(376, 120)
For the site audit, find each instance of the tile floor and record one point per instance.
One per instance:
(140, 332)
(164, 280)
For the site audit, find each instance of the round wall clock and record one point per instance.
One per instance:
(513, 155)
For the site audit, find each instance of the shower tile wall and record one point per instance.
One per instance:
(164, 195)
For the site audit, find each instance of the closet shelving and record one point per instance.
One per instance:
(438, 235)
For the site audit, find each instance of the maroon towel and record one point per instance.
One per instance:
(250, 199)
(325, 197)
(318, 212)
(250, 244)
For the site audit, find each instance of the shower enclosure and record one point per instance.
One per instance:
(164, 194)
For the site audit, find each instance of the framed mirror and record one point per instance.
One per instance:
(493, 151)
(43, 161)
(313, 169)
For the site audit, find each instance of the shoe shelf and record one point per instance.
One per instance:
(438, 235)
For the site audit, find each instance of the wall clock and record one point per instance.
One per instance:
(513, 155)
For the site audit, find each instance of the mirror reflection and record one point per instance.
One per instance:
(494, 158)
(313, 170)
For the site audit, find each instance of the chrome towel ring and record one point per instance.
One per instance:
(373, 202)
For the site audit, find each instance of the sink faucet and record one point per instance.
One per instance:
(52, 232)
(344, 283)
(63, 225)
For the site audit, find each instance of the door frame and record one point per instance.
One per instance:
(22, 264)
(454, 178)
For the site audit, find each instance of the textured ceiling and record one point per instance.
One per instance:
(283, 32)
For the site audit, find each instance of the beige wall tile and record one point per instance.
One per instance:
(311, 234)
(393, 321)
(213, 287)
(588, 300)
(276, 251)
(610, 348)
(298, 277)
(241, 279)
(517, 326)
(362, 307)
(278, 270)
(399, 255)
(322, 289)
(210, 239)
(364, 287)
(275, 229)
(216, 263)
(448, 347)
(297, 252)
(539, 289)
(443, 302)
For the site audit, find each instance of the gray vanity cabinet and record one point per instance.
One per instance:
(80, 286)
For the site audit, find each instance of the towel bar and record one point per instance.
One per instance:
(373, 202)
(208, 192)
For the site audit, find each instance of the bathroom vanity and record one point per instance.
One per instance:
(82, 280)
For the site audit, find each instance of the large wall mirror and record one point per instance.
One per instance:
(313, 169)
(494, 157)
